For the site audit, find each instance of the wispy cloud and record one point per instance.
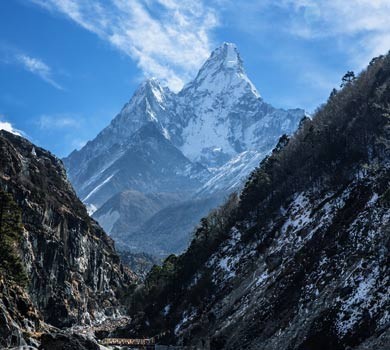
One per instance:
(58, 121)
(169, 39)
(366, 22)
(7, 126)
(314, 41)
(360, 27)
(37, 67)
(12, 55)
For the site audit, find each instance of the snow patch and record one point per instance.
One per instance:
(352, 309)
(90, 208)
(97, 188)
(186, 317)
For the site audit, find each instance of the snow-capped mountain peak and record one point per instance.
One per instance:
(195, 146)
(222, 110)
(148, 104)
(204, 139)
(224, 57)
(222, 72)
(150, 92)
(232, 58)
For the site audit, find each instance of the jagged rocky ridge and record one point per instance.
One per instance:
(198, 144)
(74, 273)
(301, 259)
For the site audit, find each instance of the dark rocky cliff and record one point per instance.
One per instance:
(20, 321)
(74, 273)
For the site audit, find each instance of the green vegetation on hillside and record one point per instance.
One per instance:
(11, 233)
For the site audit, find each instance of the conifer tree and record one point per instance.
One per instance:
(348, 78)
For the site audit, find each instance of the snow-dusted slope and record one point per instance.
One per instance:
(232, 175)
(205, 139)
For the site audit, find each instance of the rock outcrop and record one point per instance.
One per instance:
(20, 322)
(74, 273)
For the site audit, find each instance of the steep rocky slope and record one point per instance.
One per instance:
(200, 143)
(301, 259)
(20, 321)
(74, 273)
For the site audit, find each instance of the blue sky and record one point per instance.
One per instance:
(68, 66)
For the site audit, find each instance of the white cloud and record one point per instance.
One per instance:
(7, 126)
(58, 121)
(169, 39)
(365, 22)
(360, 28)
(38, 67)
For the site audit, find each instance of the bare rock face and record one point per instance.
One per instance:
(18, 317)
(75, 275)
